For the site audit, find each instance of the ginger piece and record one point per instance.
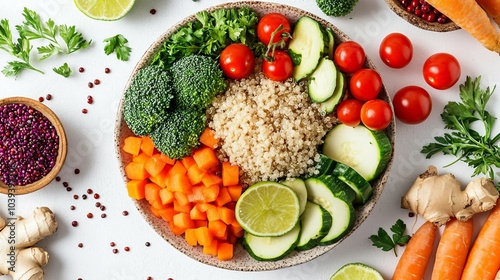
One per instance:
(437, 198)
(17, 236)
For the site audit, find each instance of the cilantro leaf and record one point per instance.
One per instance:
(117, 44)
(385, 242)
(64, 70)
(74, 40)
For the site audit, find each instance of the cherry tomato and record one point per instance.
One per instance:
(396, 50)
(268, 24)
(237, 61)
(349, 56)
(376, 114)
(412, 104)
(280, 69)
(441, 70)
(349, 112)
(365, 84)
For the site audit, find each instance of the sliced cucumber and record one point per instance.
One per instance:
(329, 105)
(306, 47)
(322, 82)
(366, 151)
(325, 165)
(299, 187)
(321, 190)
(353, 179)
(271, 248)
(316, 222)
(331, 42)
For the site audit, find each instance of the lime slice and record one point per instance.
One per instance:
(105, 9)
(353, 271)
(268, 209)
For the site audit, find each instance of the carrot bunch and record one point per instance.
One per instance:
(195, 195)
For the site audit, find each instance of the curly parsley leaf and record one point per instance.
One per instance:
(117, 44)
(384, 241)
(74, 40)
(63, 70)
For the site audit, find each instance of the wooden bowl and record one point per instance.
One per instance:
(418, 21)
(61, 154)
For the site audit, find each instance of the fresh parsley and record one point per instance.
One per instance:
(386, 243)
(63, 70)
(479, 150)
(117, 44)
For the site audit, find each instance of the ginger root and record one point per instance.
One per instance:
(17, 236)
(437, 198)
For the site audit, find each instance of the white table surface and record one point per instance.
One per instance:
(91, 147)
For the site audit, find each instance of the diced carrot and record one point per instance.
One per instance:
(235, 192)
(182, 220)
(178, 168)
(161, 178)
(230, 174)
(155, 211)
(132, 145)
(224, 251)
(211, 179)
(190, 236)
(135, 189)
(236, 229)
(175, 229)
(210, 193)
(204, 236)
(196, 214)
(196, 194)
(181, 198)
(182, 208)
(217, 228)
(179, 183)
(136, 171)
(166, 159)
(188, 161)
(152, 194)
(200, 223)
(205, 158)
(211, 249)
(167, 213)
(203, 206)
(208, 139)
(142, 157)
(195, 174)
(223, 197)
(212, 214)
(166, 196)
(154, 165)
(147, 146)
(231, 238)
(226, 215)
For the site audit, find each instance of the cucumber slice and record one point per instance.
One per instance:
(331, 42)
(322, 190)
(299, 187)
(323, 81)
(325, 165)
(271, 248)
(316, 222)
(366, 151)
(351, 177)
(329, 105)
(306, 47)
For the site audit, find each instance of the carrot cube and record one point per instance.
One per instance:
(175, 229)
(211, 249)
(212, 214)
(204, 236)
(195, 174)
(224, 251)
(196, 214)
(136, 171)
(205, 157)
(152, 193)
(181, 198)
(230, 174)
(223, 197)
(217, 228)
(132, 145)
(182, 208)
(166, 159)
(179, 183)
(208, 139)
(190, 236)
(182, 220)
(226, 215)
(188, 161)
(154, 165)
(210, 193)
(147, 146)
(235, 192)
(142, 157)
(135, 189)
(211, 179)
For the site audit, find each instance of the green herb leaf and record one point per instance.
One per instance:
(64, 70)
(117, 44)
(385, 242)
(74, 40)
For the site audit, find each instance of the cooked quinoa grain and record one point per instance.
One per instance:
(270, 129)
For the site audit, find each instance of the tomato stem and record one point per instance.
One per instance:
(271, 47)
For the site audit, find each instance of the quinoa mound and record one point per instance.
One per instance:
(271, 130)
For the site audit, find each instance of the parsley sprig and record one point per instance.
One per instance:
(63, 70)
(118, 45)
(386, 243)
(478, 150)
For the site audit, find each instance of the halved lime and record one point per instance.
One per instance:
(105, 9)
(353, 271)
(268, 209)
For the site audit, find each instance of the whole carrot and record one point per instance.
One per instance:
(484, 258)
(472, 18)
(492, 7)
(415, 258)
(452, 250)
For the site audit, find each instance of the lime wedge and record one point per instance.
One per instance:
(356, 271)
(105, 9)
(268, 209)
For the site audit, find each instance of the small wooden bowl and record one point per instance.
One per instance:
(61, 153)
(418, 21)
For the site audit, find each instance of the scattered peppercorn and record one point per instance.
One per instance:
(90, 191)
(150, 278)
(125, 213)
(97, 82)
(81, 69)
(58, 179)
(72, 207)
(107, 70)
(84, 111)
(77, 171)
(96, 196)
(411, 214)
(65, 184)
(90, 99)
(84, 196)
(90, 85)
(68, 189)
(98, 204)
(115, 251)
(41, 99)
(112, 244)
(126, 249)
(80, 245)
(152, 11)
(147, 244)
(103, 207)
(75, 196)
(90, 215)
(74, 223)
(103, 215)
(48, 97)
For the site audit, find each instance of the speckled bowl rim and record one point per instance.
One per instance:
(61, 153)
(242, 260)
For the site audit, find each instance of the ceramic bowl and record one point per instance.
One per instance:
(242, 260)
(418, 21)
(61, 156)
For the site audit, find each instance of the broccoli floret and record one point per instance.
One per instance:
(336, 8)
(148, 99)
(197, 80)
(179, 133)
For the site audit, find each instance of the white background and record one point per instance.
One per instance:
(91, 147)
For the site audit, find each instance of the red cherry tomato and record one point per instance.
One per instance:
(280, 69)
(365, 84)
(349, 56)
(376, 114)
(349, 112)
(268, 24)
(396, 50)
(237, 61)
(441, 70)
(412, 104)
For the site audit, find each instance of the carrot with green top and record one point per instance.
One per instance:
(452, 250)
(415, 258)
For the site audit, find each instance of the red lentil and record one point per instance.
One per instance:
(90, 215)
(112, 244)
(103, 207)
(103, 215)
(125, 213)
(41, 99)
(75, 196)
(96, 196)
(115, 251)
(107, 70)
(81, 69)
(97, 82)
(72, 207)
(74, 223)
(126, 249)
(90, 85)
(84, 111)
(90, 191)
(48, 97)
(98, 204)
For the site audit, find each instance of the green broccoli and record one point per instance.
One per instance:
(336, 8)
(147, 100)
(179, 133)
(197, 80)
